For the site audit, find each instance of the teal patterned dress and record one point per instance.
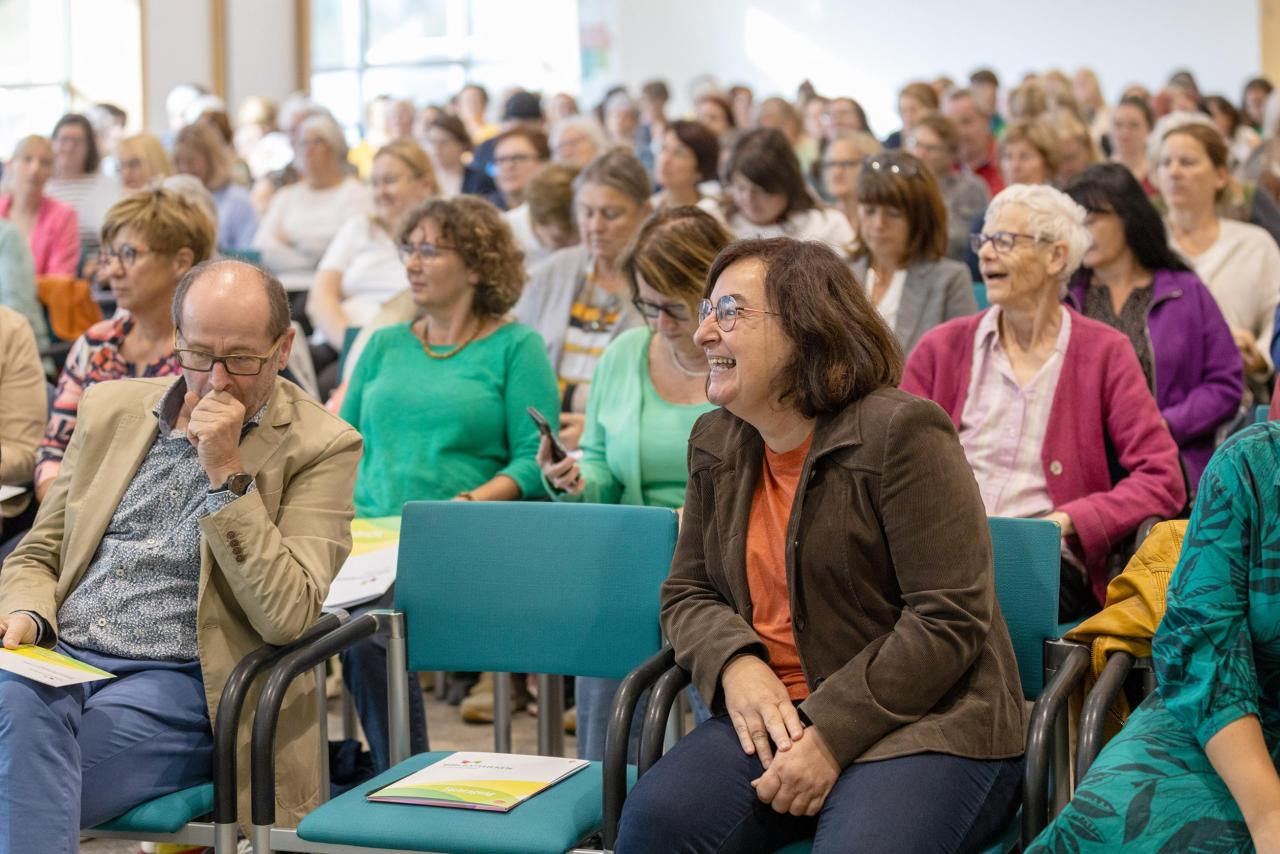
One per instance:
(1217, 657)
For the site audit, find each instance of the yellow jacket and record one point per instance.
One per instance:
(295, 530)
(1135, 602)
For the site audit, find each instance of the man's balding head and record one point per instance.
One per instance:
(228, 285)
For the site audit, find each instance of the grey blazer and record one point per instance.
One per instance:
(935, 291)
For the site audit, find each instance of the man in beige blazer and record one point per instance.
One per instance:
(191, 522)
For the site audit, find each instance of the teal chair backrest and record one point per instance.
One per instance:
(1260, 414)
(528, 587)
(348, 338)
(253, 256)
(980, 294)
(1028, 568)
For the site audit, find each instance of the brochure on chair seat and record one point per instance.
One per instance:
(479, 781)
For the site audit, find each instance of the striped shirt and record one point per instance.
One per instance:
(1003, 425)
(596, 317)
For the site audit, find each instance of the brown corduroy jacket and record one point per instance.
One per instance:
(890, 577)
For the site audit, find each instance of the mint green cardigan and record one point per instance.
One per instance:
(610, 461)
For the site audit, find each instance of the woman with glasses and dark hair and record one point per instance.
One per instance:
(77, 179)
(1132, 280)
(902, 244)
(646, 394)
(832, 591)
(149, 241)
(578, 298)
(1053, 410)
(442, 401)
(766, 194)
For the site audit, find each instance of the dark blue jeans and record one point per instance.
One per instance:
(698, 798)
(364, 672)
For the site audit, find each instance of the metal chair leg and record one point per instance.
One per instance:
(502, 712)
(550, 714)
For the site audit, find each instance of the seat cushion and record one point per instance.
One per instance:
(551, 821)
(168, 813)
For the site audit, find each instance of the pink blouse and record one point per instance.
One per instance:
(54, 239)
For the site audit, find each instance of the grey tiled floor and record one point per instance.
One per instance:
(446, 730)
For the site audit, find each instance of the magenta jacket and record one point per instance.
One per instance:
(55, 239)
(1101, 403)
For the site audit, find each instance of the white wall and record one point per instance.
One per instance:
(869, 49)
(179, 48)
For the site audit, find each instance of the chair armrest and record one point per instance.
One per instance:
(231, 704)
(619, 734)
(299, 660)
(1093, 715)
(654, 731)
(1073, 664)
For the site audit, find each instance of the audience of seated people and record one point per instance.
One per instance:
(1131, 330)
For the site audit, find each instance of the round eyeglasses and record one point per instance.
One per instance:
(726, 310)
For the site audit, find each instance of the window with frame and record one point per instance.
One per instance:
(425, 50)
(54, 58)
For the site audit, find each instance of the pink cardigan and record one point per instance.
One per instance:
(1101, 403)
(55, 239)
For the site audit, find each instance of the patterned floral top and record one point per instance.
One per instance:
(94, 358)
(1217, 659)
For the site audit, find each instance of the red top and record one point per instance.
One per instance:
(989, 169)
(767, 563)
(1101, 401)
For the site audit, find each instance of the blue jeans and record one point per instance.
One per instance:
(78, 756)
(593, 697)
(698, 798)
(364, 672)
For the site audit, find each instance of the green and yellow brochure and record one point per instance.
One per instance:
(479, 781)
(49, 667)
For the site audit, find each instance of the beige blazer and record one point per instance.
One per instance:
(24, 405)
(290, 535)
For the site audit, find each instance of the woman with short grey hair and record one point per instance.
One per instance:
(303, 218)
(577, 140)
(1040, 394)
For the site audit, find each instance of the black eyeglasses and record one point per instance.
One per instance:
(1003, 241)
(726, 310)
(841, 164)
(651, 310)
(422, 250)
(237, 364)
(127, 254)
(881, 164)
(513, 159)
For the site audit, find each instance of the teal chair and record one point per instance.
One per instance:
(1027, 568)
(980, 295)
(503, 587)
(348, 338)
(206, 814)
(1260, 414)
(252, 256)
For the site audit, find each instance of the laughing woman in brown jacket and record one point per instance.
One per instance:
(832, 590)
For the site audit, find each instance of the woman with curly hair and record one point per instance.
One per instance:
(441, 401)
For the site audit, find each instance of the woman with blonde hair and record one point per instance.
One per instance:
(841, 162)
(142, 159)
(149, 241)
(361, 270)
(199, 150)
(1093, 106)
(1077, 149)
(48, 225)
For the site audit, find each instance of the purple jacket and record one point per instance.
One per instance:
(1199, 376)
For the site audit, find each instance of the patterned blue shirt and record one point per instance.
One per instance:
(137, 598)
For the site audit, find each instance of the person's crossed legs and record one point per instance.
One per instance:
(78, 756)
(699, 798)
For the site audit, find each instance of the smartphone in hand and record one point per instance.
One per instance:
(558, 452)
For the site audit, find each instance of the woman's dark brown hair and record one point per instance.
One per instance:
(901, 181)
(703, 144)
(842, 350)
(765, 158)
(453, 126)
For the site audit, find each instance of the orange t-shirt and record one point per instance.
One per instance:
(767, 563)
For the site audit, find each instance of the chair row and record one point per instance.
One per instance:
(484, 586)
